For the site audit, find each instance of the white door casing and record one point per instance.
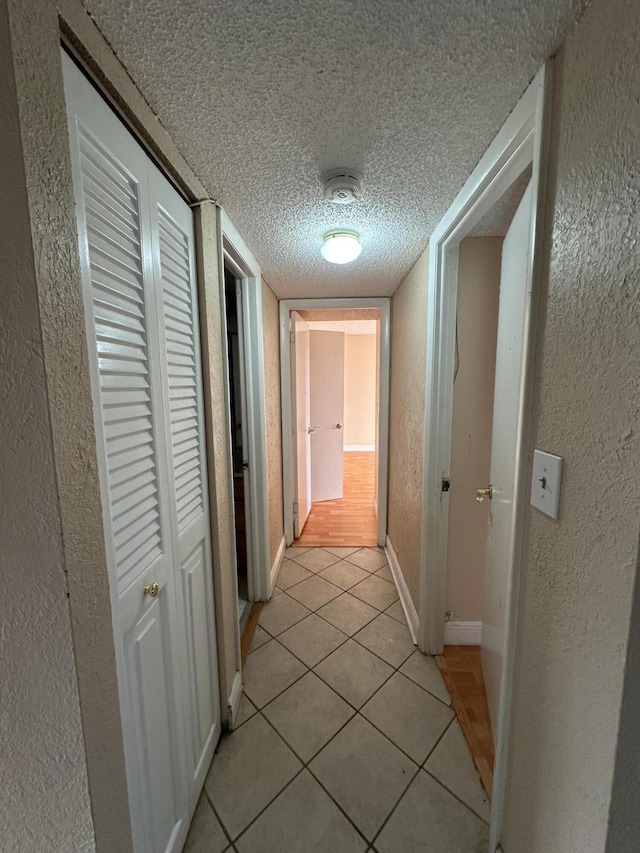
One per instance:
(515, 298)
(301, 404)
(327, 414)
(136, 252)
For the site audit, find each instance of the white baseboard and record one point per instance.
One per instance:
(233, 703)
(410, 612)
(462, 633)
(275, 568)
(353, 447)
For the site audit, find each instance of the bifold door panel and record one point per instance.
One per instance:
(137, 260)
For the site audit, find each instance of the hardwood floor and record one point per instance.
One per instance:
(461, 670)
(350, 520)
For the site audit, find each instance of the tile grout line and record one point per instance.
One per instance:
(455, 796)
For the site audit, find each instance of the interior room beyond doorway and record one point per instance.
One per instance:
(343, 381)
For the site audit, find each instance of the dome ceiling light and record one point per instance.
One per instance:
(341, 246)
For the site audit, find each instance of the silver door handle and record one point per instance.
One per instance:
(311, 430)
(337, 426)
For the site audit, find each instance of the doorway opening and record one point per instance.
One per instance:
(335, 383)
(492, 287)
(239, 451)
(500, 178)
(335, 398)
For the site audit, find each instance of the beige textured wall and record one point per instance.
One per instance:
(478, 295)
(579, 572)
(40, 810)
(271, 327)
(360, 389)
(406, 426)
(44, 799)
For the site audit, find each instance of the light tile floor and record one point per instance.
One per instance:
(346, 741)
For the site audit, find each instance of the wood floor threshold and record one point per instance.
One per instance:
(461, 670)
(249, 630)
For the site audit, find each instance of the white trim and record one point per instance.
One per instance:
(288, 485)
(233, 703)
(408, 607)
(277, 563)
(235, 252)
(349, 448)
(462, 633)
(523, 139)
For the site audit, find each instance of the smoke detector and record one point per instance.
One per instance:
(342, 186)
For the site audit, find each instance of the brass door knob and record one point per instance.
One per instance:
(152, 590)
(481, 493)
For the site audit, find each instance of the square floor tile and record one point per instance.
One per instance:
(353, 672)
(364, 773)
(205, 833)
(294, 551)
(290, 574)
(260, 637)
(344, 574)
(429, 819)
(388, 639)
(396, 612)
(270, 670)
(316, 559)
(385, 573)
(409, 716)
(312, 639)
(376, 592)
(303, 819)
(370, 559)
(251, 767)
(315, 592)
(423, 669)
(347, 613)
(452, 765)
(342, 551)
(246, 711)
(281, 613)
(307, 715)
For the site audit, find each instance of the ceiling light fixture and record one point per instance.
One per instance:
(341, 246)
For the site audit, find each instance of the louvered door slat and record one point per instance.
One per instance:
(112, 214)
(177, 301)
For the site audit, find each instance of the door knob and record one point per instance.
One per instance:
(337, 426)
(480, 493)
(311, 430)
(152, 590)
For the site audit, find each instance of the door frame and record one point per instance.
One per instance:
(288, 466)
(522, 140)
(235, 253)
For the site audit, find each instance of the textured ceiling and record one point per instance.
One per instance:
(262, 97)
(339, 314)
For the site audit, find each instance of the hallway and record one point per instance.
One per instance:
(346, 741)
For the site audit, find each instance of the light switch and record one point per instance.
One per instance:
(545, 482)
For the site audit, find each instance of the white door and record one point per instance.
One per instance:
(513, 324)
(136, 252)
(176, 294)
(327, 414)
(301, 399)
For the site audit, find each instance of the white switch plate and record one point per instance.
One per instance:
(545, 482)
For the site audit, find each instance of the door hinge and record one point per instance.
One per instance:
(292, 336)
(295, 509)
(446, 484)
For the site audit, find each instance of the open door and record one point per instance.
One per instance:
(301, 393)
(327, 415)
(513, 323)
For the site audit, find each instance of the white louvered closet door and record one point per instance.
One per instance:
(136, 249)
